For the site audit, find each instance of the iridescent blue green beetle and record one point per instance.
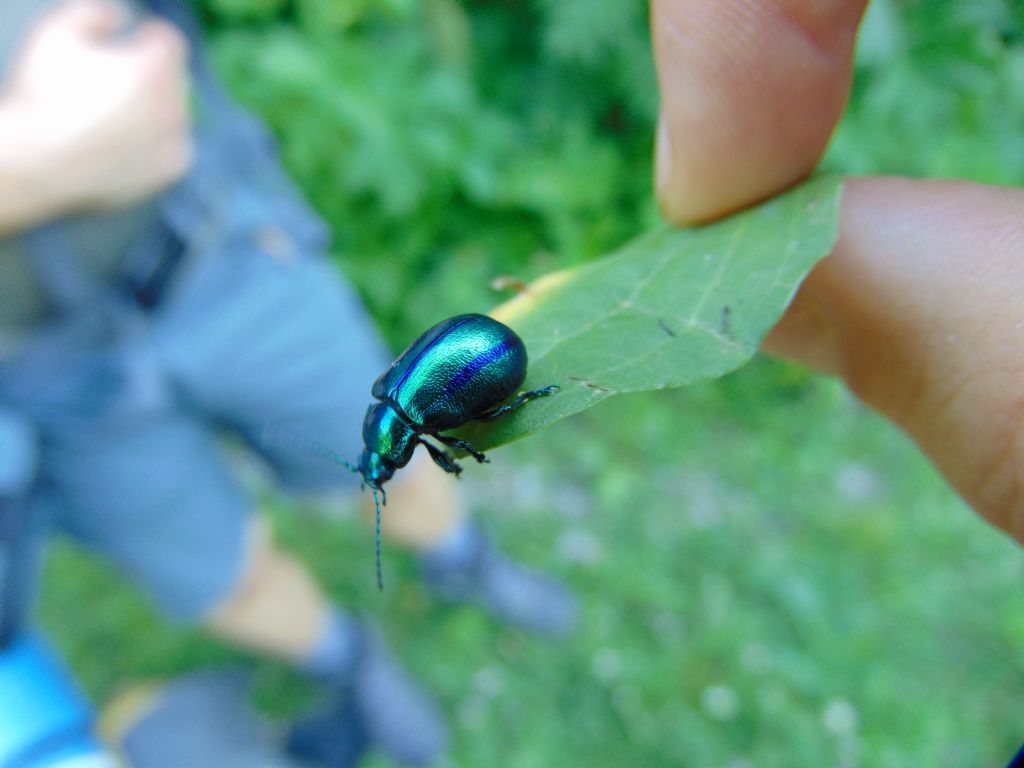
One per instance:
(459, 371)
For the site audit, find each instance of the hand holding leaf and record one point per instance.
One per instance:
(919, 306)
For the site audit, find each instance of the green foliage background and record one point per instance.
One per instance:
(449, 143)
(771, 576)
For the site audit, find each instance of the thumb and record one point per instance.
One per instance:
(750, 93)
(918, 308)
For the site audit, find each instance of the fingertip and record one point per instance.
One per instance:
(750, 95)
(157, 36)
(90, 17)
(170, 162)
(158, 29)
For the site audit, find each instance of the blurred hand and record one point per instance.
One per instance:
(105, 113)
(919, 308)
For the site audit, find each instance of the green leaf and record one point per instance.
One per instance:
(673, 307)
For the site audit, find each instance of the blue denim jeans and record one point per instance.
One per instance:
(130, 424)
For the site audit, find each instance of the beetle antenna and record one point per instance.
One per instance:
(376, 503)
(347, 465)
(276, 434)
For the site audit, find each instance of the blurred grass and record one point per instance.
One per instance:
(770, 574)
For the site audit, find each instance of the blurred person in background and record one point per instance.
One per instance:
(162, 282)
(200, 720)
(918, 306)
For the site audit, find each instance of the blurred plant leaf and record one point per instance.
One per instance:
(673, 307)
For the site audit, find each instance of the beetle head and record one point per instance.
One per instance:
(374, 468)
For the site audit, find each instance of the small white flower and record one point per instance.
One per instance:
(839, 717)
(577, 545)
(720, 702)
(856, 483)
(488, 682)
(606, 664)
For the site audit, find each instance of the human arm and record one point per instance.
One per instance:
(90, 118)
(918, 307)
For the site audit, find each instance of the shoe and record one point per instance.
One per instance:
(380, 707)
(201, 720)
(509, 591)
(335, 737)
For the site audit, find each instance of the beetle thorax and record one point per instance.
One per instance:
(389, 441)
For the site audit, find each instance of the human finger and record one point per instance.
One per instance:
(750, 93)
(918, 309)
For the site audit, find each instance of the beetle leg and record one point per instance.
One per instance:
(443, 459)
(523, 399)
(462, 445)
